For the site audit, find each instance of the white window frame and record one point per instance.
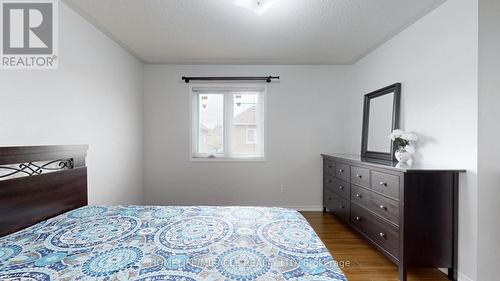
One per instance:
(193, 155)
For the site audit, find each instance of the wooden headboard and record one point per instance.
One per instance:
(40, 182)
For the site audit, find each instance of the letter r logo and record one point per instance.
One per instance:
(27, 28)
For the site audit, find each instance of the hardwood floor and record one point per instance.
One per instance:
(359, 260)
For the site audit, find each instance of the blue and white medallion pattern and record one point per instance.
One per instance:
(9, 251)
(149, 243)
(293, 236)
(242, 264)
(193, 233)
(166, 276)
(50, 259)
(167, 213)
(90, 211)
(247, 213)
(112, 261)
(28, 274)
(92, 232)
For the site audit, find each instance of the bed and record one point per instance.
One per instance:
(50, 233)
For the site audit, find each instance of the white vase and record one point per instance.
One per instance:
(402, 155)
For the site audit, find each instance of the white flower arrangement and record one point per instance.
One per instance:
(404, 139)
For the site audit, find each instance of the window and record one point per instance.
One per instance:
(251, 136)
(228, 122)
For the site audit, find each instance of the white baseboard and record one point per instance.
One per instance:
(461, 276)
(305, 208)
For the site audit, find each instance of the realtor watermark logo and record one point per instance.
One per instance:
(29, 34)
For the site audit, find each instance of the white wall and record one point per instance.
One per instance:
(436, 61)
(304, 119)
(489, 139)
(95, 98)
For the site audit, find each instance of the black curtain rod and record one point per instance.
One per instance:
(268, 79)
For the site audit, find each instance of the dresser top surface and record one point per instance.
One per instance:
(402, 167)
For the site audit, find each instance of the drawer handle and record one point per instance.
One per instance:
(341, 187)
(382, 235)
(382, 207)
(341, 170)
(359, 176)
(329, 181)
(383, 183)
(358, 218)
(329, 198)
(329, 166)
(358, 195)
(342, 207)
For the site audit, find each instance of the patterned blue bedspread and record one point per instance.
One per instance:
(168, 243)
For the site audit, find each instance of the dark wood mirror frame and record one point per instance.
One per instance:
(396, 89)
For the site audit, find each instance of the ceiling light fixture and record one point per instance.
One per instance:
(257, 6)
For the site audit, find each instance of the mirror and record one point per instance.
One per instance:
(380, 118)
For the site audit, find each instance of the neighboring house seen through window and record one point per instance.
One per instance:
(251, 136)
(228, 122)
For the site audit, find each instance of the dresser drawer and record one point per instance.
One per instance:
(385, 184)
(329, 167)
(337, 205)
(380, 232)
(343, 171)
(383, 206)
(360, 176)
(339, 187)
(329, 181)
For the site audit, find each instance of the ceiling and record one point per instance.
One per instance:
(220, 32)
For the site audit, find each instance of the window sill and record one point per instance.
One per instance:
(227, 159)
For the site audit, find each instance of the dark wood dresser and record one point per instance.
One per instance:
(409, 213)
